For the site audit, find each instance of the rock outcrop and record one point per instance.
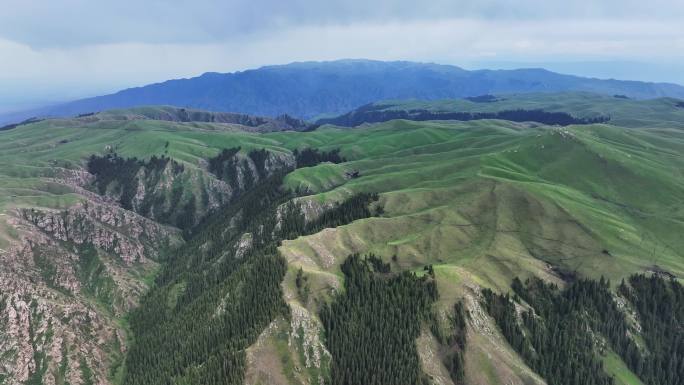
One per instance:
(181, 195)
(66, 277)
(70, 274)
(122, 233)
(52, 329)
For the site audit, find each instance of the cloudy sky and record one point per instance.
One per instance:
(56, 50)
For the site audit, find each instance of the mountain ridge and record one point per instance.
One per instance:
(310, 89)
(548, 108)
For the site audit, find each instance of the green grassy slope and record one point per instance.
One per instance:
(483, 201)
(622, 374)
(654, 113)
(486, 201)
(480, 192)
(31, 154)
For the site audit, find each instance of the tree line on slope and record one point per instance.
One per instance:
(225, 164)
(455, 344)
(211, 302)
(121, 177)
(235, 171)
(308, 157)
(373, 113)
(236, 297)
(562, 334)
(372, 326)
(12, 126)
(659, 304)
(555, 337)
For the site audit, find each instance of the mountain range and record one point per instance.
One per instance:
(312, 89)
(530, 238)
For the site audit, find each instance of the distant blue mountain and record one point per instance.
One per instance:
(310, 89)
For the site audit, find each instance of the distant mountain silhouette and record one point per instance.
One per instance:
(310, 89)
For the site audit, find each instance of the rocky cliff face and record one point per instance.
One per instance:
(243, 171)
(51, 338)
(179, 195)
(111, 229)
(70, 275)
(67, 278)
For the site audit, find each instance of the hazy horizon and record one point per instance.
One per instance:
(69, 49)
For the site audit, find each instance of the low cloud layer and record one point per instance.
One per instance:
(77, 22)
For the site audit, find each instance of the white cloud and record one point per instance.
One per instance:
(55, 23)
(65, 72)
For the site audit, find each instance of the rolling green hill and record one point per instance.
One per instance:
(481, 202)
(618, 110)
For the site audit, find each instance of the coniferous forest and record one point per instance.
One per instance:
(308, 157)
(372, 326)
(659, 304)
(562, 334)
(122, 178)
(373, 113)
(454, 359)
(223, 165)
(236, 297)
(124, 171)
